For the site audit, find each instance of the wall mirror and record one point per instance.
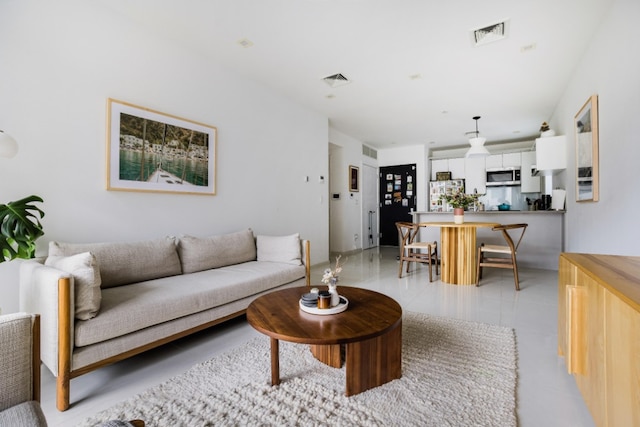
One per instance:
(586, 126)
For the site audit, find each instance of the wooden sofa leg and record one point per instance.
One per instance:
(62, 392)
(64, 344)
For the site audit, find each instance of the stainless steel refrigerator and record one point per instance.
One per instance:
(437, 188)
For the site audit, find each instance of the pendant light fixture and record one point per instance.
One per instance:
(477, 144)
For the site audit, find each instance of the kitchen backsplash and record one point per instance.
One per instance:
(510, 195)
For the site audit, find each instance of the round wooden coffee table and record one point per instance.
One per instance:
(370, 331)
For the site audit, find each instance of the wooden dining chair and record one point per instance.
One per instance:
(413, 251)
(508, 252)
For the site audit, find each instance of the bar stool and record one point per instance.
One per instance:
(504, 261)
(412, 251)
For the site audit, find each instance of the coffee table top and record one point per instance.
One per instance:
(278, 315)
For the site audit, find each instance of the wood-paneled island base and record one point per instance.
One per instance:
(370, 331)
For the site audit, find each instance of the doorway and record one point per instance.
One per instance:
(397, 199)
(370, 236)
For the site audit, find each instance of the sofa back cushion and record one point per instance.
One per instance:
(86, 281)
(127, 262)
(204, 253)
(285, 249)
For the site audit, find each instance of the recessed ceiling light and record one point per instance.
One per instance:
(528, 48)
(246, 43)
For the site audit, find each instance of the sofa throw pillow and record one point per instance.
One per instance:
(123, 263)
(86, 281)
(204, 253)
(284, 249)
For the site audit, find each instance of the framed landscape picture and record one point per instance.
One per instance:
(152, 151)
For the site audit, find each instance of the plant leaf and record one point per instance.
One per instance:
(20, 227)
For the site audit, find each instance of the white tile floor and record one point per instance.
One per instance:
(546, 394)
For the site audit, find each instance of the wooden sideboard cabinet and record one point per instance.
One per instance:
(599, 333)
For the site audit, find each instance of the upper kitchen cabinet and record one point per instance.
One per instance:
(511, 160)
(551, 155)
(528, 182)
(505, 160)
(455, 166)
(493, 161)
(438, 165)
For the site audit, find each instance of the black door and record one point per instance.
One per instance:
(397, 198)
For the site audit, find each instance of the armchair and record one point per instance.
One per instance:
(20, 370)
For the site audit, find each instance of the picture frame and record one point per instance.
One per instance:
(177, 156)
(586, 129)
(354, 181)
(443, 176)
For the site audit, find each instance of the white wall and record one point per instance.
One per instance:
(62, 60)
(610, 69)
(408, 155)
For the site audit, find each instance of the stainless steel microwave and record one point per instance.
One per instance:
(503, 177)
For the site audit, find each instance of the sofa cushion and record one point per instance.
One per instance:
(280, 249)
(128, 262)
(28, 413)
(127, 309)
(204, 253)
(86, 281)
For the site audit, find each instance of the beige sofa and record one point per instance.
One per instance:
(103, 302)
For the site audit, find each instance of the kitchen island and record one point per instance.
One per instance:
(541, 245)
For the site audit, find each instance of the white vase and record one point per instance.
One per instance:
(458, 215)
(335, 298)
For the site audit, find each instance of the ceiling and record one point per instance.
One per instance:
(415, 75)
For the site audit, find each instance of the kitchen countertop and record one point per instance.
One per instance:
(493, 212)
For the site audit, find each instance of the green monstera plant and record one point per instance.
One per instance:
(20, 228)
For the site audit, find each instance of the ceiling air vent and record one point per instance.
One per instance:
(336, 80)
(369, 152)
(490, 33)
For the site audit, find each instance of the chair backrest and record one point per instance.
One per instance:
(407, 232)
(19, 359)
(504, 228)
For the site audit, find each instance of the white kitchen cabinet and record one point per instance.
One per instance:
(475, 175)
(551, 154)
(505, 160)
(438, 165)
(511, 160)
(529, 183)
(456, 167)
(493, 161)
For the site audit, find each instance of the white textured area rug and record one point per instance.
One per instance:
(454, 373)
